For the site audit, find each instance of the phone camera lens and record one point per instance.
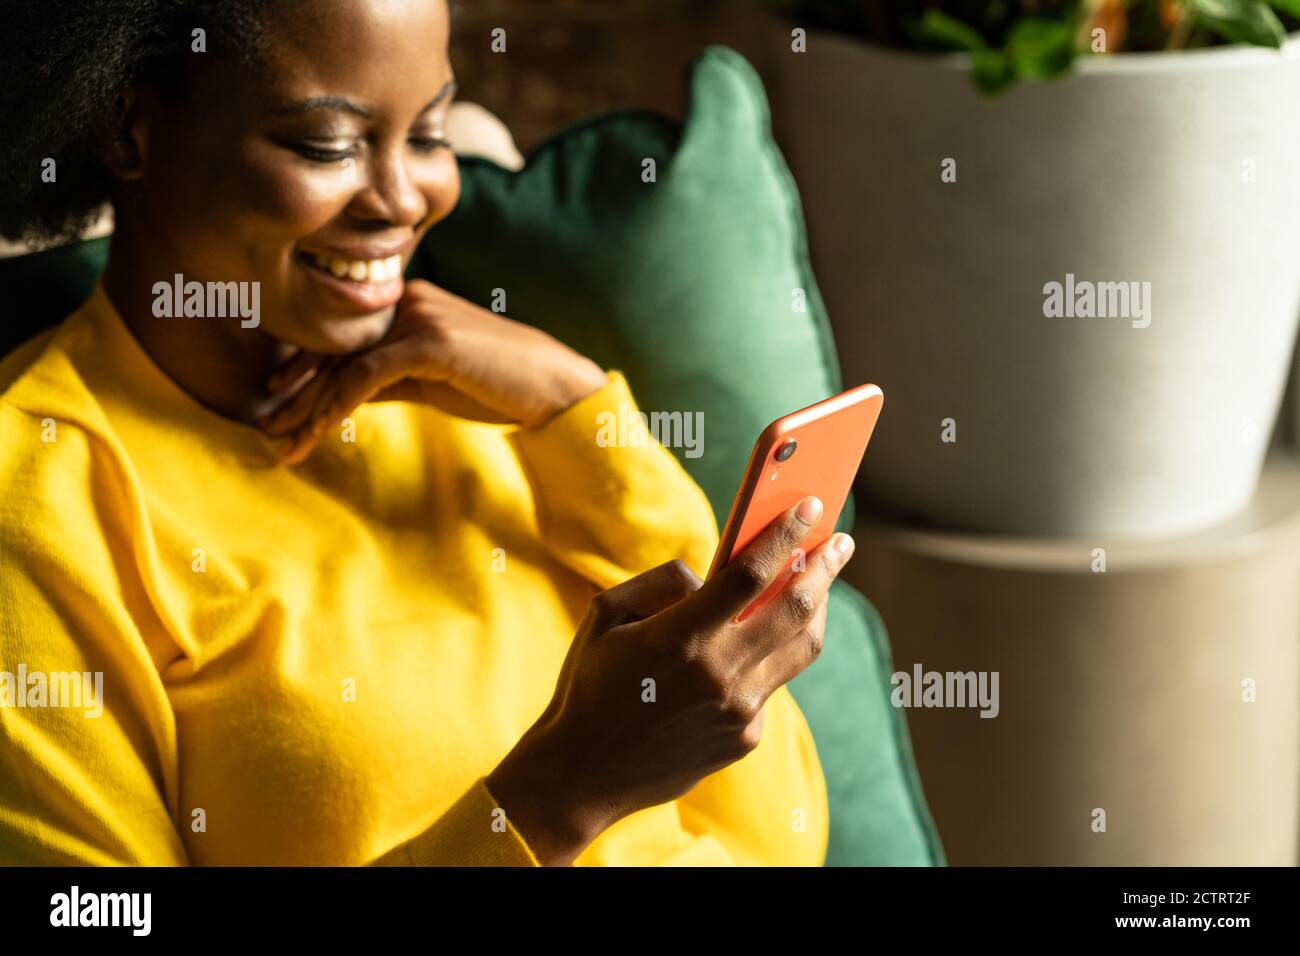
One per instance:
(786, 450)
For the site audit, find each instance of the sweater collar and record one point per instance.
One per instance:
(120, 371)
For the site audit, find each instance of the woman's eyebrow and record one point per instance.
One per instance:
(341, 104)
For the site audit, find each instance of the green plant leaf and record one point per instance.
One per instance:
(1039, 49)
(991, 70)
(1242, 21)
(1288, 6)
(938, 30)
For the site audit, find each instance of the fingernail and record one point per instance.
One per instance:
(844, 544)
(810, 510)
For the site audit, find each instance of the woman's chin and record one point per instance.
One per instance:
(341, 334)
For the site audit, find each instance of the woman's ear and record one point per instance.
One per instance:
(124, 152)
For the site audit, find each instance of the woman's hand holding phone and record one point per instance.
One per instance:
(603, 749)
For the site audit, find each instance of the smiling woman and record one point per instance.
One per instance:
(423, 637)
(293, 169)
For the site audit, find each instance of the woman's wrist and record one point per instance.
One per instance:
(546, 804)
(583, 378)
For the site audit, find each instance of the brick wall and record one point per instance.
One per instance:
(566, 59)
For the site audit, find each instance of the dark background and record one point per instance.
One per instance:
(566, 59)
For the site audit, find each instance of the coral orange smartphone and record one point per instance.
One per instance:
(814, 451)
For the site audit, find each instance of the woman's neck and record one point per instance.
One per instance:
(219, 363)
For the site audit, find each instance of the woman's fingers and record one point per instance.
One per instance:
(801, 647)
(350, 384)
(295, 411)
(355, 383)
(733, 588)
(644, 595)
(790, 612)
(295, 373)
(781, 638)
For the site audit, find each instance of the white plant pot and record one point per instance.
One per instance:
(1181, 170)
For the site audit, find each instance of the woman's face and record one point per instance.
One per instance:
(329, 157)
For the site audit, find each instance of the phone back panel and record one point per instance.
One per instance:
(831, 438)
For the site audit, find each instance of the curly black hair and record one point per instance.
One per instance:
(66, 64)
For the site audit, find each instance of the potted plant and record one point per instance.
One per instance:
(1079, 296)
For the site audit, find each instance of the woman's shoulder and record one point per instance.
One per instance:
(13, 365)
(47, 363)
(49, 419)
(46, 471)
(44, 377)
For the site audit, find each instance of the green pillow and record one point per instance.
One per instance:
(878, 813)
(690, 284)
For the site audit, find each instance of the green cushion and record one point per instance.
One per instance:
(878, 813)
(689, 284)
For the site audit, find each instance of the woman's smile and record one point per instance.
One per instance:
(363, 283)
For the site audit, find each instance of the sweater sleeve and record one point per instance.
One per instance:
(87, 736)
(610, 501)
(474, 832)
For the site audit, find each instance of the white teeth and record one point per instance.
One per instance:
(361, 270)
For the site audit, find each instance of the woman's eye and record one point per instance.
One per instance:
(322, 154)
(427, 144)
(336, 154)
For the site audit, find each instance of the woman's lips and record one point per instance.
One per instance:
(366, 285)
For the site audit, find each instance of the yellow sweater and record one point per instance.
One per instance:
(319, 664)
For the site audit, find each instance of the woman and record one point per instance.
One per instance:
(360, 582)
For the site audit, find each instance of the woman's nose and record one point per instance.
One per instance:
(389, 192)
